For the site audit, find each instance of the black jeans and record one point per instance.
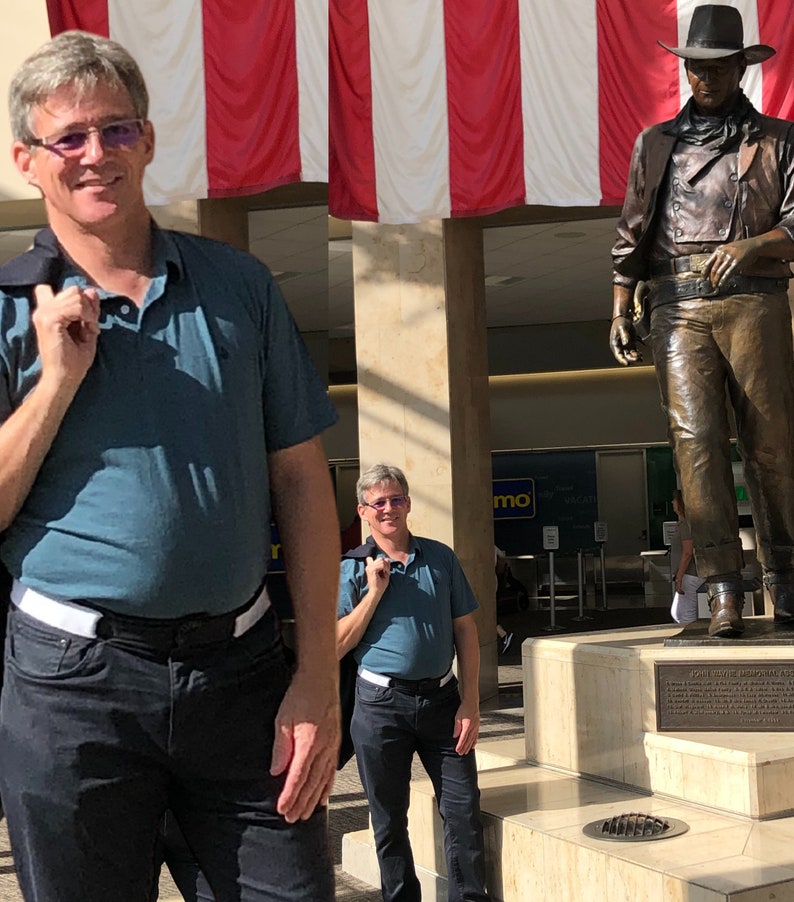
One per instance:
(98, 739)
(388, 727)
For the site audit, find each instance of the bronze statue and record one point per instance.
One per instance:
(703, 242)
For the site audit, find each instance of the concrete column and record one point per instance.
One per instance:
(423, 388)
(225, 219)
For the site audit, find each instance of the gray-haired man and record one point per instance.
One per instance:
(156, 405)
(406, 608)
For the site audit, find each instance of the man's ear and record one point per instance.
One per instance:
(23, 158)
(148, 137)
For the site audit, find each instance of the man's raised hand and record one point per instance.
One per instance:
(67, 328)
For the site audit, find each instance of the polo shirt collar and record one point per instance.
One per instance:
(46, 263)
(371, 549)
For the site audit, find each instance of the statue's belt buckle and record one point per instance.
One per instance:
(697, 262)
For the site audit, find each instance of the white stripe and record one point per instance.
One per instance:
(409, 109)
(559, 101)
(167, 42)
(753, 79)
(311, 38)
(63, 615)
(81, 621)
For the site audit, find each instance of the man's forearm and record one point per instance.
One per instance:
(25, 440)
(351, 628)
(467, 648)
(305, 511)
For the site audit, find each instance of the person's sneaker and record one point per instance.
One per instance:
(504, 643)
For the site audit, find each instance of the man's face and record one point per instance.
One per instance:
(99, 183)
(389, 516)
(715, 83)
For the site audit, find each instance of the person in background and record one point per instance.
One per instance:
(682, 565)
(406, 609)
(504, 638)
(157, 404)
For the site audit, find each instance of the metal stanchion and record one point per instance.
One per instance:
(603, 577)
(552, 627)
(580, 573)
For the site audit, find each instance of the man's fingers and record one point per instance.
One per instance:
(43, 293)
(282, 751)
(308, 784)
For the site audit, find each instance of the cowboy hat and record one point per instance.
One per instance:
(716, 31)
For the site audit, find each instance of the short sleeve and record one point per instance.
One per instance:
(295, 400)
(348, 586)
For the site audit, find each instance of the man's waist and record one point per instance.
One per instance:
(412, 687)
(80, 618)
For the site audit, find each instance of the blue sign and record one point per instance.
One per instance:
(513, 499)
(533, 489)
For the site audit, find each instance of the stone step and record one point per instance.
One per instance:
(533, 818)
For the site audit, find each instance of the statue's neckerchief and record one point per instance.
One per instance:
(693, 128)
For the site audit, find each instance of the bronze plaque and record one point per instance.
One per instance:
(748, 696)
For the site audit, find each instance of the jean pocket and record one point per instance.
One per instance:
(369, 693)
(41, 652)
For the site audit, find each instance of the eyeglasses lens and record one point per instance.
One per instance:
(380, 504)
(115, 135)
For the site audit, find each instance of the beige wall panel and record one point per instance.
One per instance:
(24, 28)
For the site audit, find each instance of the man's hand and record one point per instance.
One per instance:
(679, 584)
(623, 341)
(67, 327)
(306, 746)
(467, 727)
(378, 571)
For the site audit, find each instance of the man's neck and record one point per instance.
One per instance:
(396, 547)
(116, 257)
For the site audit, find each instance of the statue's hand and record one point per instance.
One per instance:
(623, 341)
(730, 259)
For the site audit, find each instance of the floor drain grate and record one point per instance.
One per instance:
(635, 827)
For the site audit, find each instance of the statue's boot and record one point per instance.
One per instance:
(726, 600)
(780, 584)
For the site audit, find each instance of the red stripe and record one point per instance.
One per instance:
(637, 81)
(251, 80)
(88, 15)
(351, 150)
(486, 139)
(776, 28)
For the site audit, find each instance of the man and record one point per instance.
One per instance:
(156, 405)
(405, 607)
(708, 223)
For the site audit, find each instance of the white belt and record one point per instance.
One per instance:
(380, 680)
(80, 621)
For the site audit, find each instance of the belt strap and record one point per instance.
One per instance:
(379, 679)
(667, 292)
(79, 620)
(676, 265)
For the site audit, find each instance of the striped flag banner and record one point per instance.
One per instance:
(458, 107)
(239, 95)
(414, 109)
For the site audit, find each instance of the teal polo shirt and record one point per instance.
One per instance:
(153, 500)
(410, 635)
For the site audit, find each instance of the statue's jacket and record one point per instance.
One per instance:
(764, 199)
